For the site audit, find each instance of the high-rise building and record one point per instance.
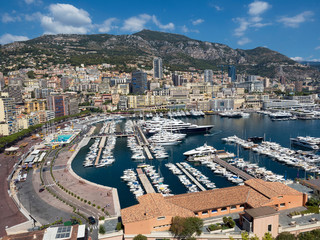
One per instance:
(298, 86)
(64, 83)
(138, 83)
(60, 104)
(232, 73)
(176, 79)
(15, 92)
(7, 116)
(208, 75)
(1, 81)
(157, 68)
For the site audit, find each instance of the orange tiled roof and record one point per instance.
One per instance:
(150, 206)
(271, 189)
(211, 199)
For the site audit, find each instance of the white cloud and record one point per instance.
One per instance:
(295, 21)
(218, 8)
(197, 22)
(317, 48)
(33, 17)
(107, 25)
(185, 29)
(297, 59)
(9, 38)
(243, 41)
(32, 1)
(137, 23)
(65, 18)
(169, 26)
(6, 18)
(243, 26)
(258, 7)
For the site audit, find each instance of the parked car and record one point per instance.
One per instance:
(91, 220)
(41, 189)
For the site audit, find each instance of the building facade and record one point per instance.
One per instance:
(157, 68)
(138, 82)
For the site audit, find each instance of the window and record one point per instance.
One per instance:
(269, 228)
(280, 197)
(233, 207)
(205, 213)
(223, 209)
(282, 204)
(214, 211)
(242, 206)
(161, 218)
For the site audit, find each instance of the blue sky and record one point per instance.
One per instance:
(291, 27)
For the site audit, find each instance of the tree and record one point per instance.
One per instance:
(306, 236)
(102, 229)
(140, 237)
(30, 75)
(267, 236)
(285, 236)
(186, 227)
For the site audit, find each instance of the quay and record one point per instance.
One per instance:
(101, 145)
(191, 177)
(231, 168)
(145, 182)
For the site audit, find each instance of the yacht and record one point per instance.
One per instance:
(307, 142)
(203, 150)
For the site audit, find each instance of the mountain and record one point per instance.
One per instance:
(178, 52)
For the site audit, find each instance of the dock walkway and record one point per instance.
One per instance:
(145, 182)
(191, 177)
(231, 168)
(147, 151)
(101, 145)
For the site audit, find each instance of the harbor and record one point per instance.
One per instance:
(223, 127)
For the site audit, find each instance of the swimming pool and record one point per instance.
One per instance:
(62, 138)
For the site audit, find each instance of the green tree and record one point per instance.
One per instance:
(186, 227)
(267, 236)
(244, 236)
(306, 236)
(140, 237)
(285, 236)
(30, 75)
(254, 238)
(102, 229)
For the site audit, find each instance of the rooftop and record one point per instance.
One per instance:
(261, 211)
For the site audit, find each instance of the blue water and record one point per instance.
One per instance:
(256, 125)
(62, 138)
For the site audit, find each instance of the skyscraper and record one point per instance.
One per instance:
(139, 82)
(1, 81)
(232, 73)
(157, 68)
(208, 75)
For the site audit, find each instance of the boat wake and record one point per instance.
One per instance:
(212, 134)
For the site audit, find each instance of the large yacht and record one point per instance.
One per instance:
(307, 142)
(203, 150)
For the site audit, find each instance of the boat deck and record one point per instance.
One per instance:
(145, 181)
(202, 188)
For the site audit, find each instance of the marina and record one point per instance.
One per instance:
(191, 177)
(145, 182)
(223, 127)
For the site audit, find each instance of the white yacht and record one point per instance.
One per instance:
(203, 150)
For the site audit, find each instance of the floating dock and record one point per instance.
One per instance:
(232, 169)
(101, 145)
(145, 182)
(147, 151)
(191, 177)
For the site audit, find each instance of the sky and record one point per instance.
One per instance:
(291, 27)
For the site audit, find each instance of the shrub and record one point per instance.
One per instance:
(98, 207)
(101, 218)
(89, 203)
(93, 205)
(85, 201)
(140, 237)
(119, 226)
(102, 229)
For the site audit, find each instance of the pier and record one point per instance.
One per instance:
(231, 168)
(191, 177)
(101, 145)
(145, 182)
(147, 151)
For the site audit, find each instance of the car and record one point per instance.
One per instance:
(91, 220)
(41, 189)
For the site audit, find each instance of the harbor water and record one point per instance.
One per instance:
(255, 125)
